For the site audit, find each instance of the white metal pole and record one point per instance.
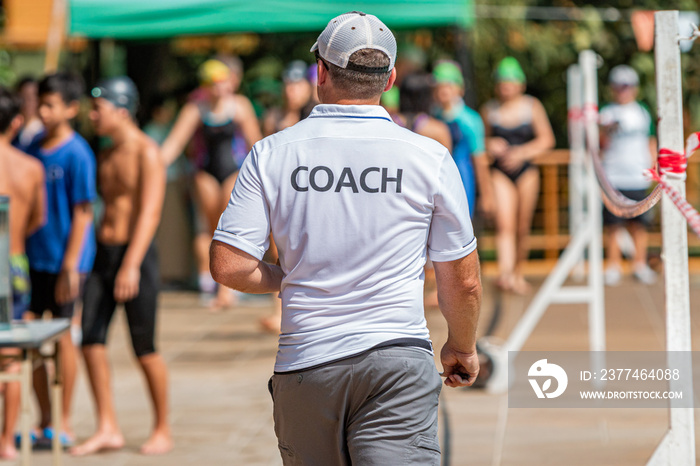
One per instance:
(678, 446)
(596, 310)
(577, 150)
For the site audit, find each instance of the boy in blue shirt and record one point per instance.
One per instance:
(62, 251)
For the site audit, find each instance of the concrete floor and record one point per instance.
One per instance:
(222, 413)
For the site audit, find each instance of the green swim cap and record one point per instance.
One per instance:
(509, 70)
(448, 72)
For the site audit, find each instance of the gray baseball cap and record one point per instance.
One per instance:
(623, 75)
(353, 31)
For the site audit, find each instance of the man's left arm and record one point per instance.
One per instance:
(152, 192)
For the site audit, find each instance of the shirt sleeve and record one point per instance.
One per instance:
(245, 224)
(451, 234)
(83, 174)
(652, 122)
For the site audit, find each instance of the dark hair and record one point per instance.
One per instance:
(416, 93)
(9, 108)
(359, 85)
(69, 86)
(24, 81)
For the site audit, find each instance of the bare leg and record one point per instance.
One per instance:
(69, 372)
(210, 196)
(108, 435)
(528, 187)
(156, 373)
(201, 249)
(11, 409)
(205, 281)
(506, 227)
(40, 381)
(614, 255)
(641, 242)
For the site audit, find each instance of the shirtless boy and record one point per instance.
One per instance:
(131, 179)
(22, 179)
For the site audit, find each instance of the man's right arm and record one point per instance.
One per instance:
(459, 297)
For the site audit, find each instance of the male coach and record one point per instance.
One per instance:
(355, 203)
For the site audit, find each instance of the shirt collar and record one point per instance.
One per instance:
(350, 111)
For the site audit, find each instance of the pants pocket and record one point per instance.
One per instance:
(423, 450)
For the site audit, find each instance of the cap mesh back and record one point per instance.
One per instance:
(351, 32)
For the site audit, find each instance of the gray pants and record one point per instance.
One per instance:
(378, 408)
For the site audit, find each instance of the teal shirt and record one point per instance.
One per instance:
(467, 130)
(470, 124)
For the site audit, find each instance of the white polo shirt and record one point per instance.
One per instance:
(627, 155)
(354, 203)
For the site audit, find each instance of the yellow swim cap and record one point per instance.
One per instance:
(213, 71)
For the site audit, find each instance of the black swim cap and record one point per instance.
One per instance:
(121, 91)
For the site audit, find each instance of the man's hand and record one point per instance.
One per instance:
(126, 284)
(67, 286)
(455, 362)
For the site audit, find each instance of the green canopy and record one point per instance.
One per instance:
(142, 19)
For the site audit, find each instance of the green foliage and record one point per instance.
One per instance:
(7, 75)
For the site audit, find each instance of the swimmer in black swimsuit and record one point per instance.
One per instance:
(218, 137)
(517, 130)
(219, 115)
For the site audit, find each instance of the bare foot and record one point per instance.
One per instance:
(504, 282)
(98, 442)
(7, 449)
(225, 299)
(159, 444)
(520, 286)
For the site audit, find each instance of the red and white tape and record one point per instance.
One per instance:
(672, 162)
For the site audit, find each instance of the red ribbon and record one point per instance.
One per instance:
(675, 162)
(689, 213)
(672, 161)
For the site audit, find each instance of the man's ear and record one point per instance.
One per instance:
(322, 72)
(392, 79)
